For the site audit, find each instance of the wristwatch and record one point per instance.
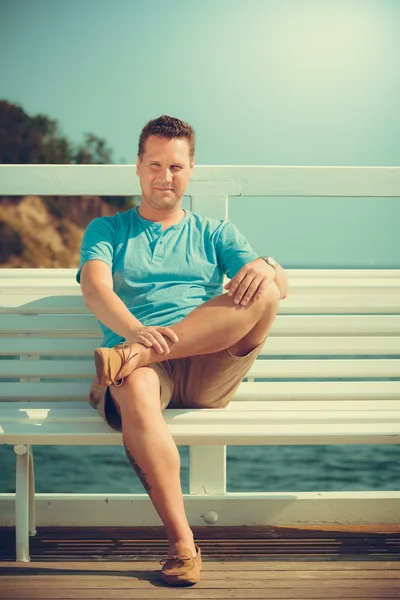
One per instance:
(270, 261)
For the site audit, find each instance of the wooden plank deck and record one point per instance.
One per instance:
(239, 562)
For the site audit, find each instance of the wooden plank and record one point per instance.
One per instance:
(234, 508)
(68, 274)
(39, 391)
(96, 432)
(335, 325)
(327, 346)
(229, 422)
(351, 569)
(29, 304)
(236, 409)
(284, 325)
(343, 368)
(324, 281)
(15, 346)
(201, 591)
(66, 369)
(237, 412)
(268, 369)
(355, 304)
(300, 346)
(236, 575)
(339, 391)
(67, 325)
(294, 304)
(343, 281)
(245, 581)
(317, 274)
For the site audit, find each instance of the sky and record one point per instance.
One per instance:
(262, 82)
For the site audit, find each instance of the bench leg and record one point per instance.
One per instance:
(207, 470)
(22, 503)
(32, 506)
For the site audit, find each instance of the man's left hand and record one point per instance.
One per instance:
(251, 281)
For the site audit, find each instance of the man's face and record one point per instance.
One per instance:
(164, 171)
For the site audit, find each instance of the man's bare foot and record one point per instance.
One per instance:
(114, 364)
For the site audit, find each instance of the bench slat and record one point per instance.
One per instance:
(338, 391)
(295, 325)
(30, 303)
(244, 412)
(254, 433)
(302, 304)
(274, 368)
(320, 280)
(80, 407)
(69, 274)
(361, 345)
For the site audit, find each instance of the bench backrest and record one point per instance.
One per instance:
(339, 329)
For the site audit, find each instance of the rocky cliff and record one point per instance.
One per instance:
(46, 231)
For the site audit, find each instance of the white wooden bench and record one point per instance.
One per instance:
(324, 383)
(348, 321)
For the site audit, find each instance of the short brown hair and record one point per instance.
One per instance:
(168, 127)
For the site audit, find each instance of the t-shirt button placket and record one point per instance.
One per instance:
(159, 248)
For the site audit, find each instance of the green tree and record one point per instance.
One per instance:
(38, 140)
(26, 140)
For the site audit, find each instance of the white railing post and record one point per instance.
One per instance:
(31, 477)
(22, 503)
(208, 463)
(215, 207)
(32, 506)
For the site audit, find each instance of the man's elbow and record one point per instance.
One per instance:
(284, 291)
(87, 296)
(89, 292)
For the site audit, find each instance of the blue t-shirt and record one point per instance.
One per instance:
(161, 276)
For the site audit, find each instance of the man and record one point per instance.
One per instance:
(153, 278)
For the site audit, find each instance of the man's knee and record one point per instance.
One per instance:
(140, 390)
(143, 377)
(273, 292)
(269, 298)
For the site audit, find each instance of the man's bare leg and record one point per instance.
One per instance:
(215, 325)
(148, 443)
(152, 452)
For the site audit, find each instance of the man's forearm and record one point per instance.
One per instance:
(111, 311)
(281, 281)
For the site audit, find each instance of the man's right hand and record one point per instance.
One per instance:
(153, 336)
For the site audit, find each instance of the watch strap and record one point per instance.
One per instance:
(270, 261)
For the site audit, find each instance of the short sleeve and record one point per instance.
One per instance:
(97, 243)
(234, 251)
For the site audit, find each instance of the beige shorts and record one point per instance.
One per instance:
(202, 381)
